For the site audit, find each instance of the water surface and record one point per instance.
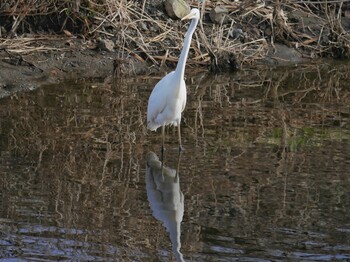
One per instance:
(264, 175)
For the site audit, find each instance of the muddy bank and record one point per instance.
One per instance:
(78, 62)
(64, 59)
(43, 44)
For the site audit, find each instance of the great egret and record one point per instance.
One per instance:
(168, 98)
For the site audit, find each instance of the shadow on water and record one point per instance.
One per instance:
(264, 174)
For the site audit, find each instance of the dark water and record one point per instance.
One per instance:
(264, 175)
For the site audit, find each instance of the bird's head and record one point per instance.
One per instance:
(194, 13)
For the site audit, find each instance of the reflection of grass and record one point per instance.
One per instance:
(305, 137)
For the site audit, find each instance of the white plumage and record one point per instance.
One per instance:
(166, 102)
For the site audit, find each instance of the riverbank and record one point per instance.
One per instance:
(58, 40)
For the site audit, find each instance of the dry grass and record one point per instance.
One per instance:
(144, 32)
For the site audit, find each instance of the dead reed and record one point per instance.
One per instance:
(144, 31)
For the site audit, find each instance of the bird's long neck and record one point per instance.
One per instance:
(180, 68)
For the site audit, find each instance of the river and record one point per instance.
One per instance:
(264, 175)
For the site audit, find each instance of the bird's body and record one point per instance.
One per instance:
(166, 102)
(168, 98)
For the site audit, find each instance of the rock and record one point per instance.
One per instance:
(283, 55)
(2, 31)
(144, 26)
(153, 29)
(106, 45)
(347, 14)
(219, 15)
(176, 8)
(223, 61)
(235, 33)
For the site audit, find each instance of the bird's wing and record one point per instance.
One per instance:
(184, 96)
(158, 99)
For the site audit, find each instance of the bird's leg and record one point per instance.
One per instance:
(177, 168)
(163, 148)
(179, 135)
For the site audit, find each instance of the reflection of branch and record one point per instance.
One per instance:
(58, 199)
(275, 85)
(15, 146)
(42, 149)
(284, 135)
(199, 116)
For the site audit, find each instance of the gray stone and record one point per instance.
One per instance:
(235, 33)
(219, 15)
(106, 45)
(2, 31)
(144, 26)
(347, 14)
(176, 8)
(283, 55)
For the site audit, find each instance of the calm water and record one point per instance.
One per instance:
(264, 175)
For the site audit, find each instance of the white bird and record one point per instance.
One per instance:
(168, 98)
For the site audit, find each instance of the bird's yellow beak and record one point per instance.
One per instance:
(187, 17)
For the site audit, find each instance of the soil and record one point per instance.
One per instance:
(73, 59)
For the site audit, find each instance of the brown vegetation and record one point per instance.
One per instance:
(142, 30)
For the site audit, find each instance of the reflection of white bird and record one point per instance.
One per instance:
(168, 98)
(165, 198)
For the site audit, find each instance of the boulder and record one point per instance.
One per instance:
(176, 9)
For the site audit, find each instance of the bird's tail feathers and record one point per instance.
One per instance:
(152, 126)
